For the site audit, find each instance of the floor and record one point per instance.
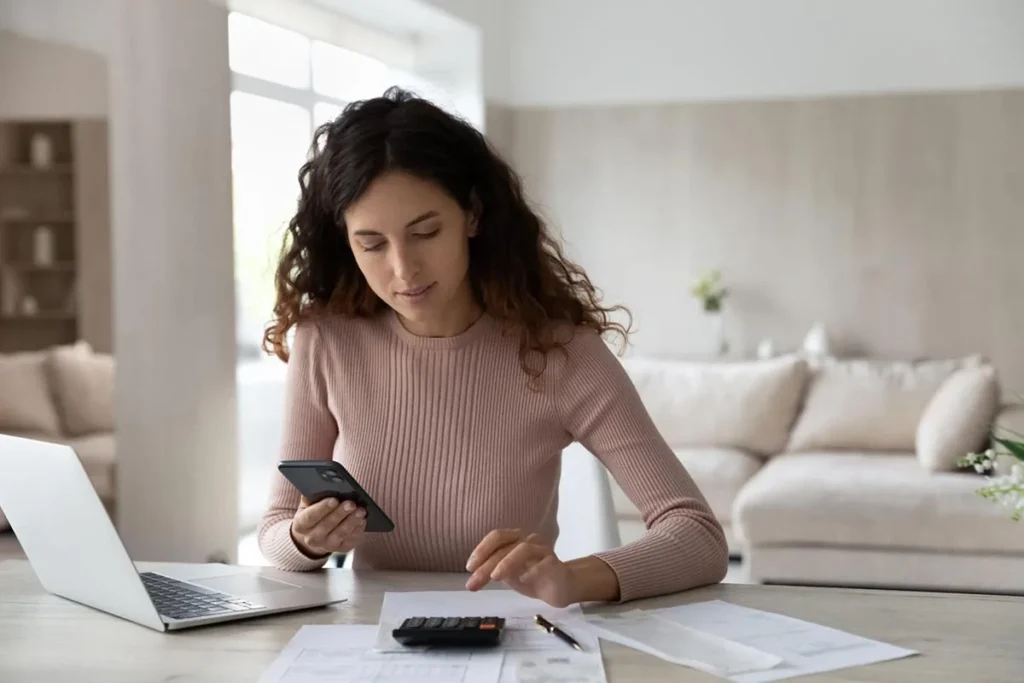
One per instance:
(249, 554)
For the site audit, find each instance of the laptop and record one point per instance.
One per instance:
(76, 553)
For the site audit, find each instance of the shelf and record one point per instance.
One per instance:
(67, 218)
(64, 267)
(41, 316)
(29, 170)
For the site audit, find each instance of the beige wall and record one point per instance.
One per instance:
(898, 221)
(45, 80)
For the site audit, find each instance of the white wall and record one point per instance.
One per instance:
(585, 52)
(79, 23)
(492, 19)
(174, 297)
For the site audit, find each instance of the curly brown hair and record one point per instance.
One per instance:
(517, 270)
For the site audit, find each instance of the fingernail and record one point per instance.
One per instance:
(332, 503)
(360, 513)
(471, 564)
(349, 506)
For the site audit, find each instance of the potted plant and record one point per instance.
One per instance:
(1006, 489)
(711, 293)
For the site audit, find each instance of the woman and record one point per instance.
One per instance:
(446, 352)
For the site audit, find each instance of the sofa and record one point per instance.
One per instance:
(841, 472)
(64, 394)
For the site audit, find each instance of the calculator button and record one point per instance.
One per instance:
(433, 622)
(471, 622)
(450, 622)
(414, 622)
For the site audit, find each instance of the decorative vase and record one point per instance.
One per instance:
(43, 246)
(719, 342)
(29, 306)
(41, 151)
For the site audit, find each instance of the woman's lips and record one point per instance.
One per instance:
(418, 293)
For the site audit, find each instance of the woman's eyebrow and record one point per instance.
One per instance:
(419, 219)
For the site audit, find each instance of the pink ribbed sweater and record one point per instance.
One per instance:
(452, 442)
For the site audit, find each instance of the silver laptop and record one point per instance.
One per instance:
(76, 553)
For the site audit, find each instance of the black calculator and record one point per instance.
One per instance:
(450, 631)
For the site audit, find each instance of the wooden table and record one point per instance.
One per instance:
(962, 638)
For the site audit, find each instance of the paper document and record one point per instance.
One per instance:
(531, 655)
(680, 644)
(804, 647)
(344, 654)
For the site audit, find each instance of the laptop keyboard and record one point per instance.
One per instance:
(179, 600)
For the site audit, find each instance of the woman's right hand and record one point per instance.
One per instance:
(327, 527)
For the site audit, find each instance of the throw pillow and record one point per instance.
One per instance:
(958, 419)
(869, 405)
(750, 405)
(83, 387)
(25, 403)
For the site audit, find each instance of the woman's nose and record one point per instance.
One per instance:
(405, 264)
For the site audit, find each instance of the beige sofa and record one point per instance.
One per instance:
(64, 394)
(841, 472)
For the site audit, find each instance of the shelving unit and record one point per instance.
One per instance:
(39, 270)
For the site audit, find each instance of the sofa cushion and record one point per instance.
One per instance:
(869, 405)
(870, 500)
(25, 401)
(83, 390)
(750, 405)
(718, 472)
(958, 419)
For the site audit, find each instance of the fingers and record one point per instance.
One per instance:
(482, 576)
(490, 544)
(355, 522)
(354, 540)
(316, 534)
(521, 559)
(308, 516)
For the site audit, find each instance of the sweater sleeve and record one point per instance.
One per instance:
(684, 546)
(309, 433)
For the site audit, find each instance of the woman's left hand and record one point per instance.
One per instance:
(525, 563)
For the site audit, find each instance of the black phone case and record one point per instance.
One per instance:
(319, 479)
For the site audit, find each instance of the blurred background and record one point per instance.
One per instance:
(815, 212)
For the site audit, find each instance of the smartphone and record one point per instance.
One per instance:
(319, 479)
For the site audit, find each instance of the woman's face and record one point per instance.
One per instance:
(410, 239)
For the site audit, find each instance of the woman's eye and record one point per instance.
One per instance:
(377, 246)
(428, 234)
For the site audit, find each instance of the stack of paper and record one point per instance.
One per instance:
(741, 644)
(680, 644)
(317, 654)
(530, 654)
(344, 654)
(736, 643)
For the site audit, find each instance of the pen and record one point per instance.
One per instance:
(555, 631)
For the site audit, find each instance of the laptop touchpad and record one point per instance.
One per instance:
(244, 584)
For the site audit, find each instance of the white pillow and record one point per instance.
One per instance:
(749, 405)
(869, 405)
(958, 419)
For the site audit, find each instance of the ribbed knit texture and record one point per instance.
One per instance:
(451, 440)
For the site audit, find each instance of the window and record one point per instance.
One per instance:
(285, 85)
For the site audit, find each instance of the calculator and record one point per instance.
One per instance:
(450, 631)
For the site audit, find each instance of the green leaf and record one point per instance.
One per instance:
(1016, 448)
